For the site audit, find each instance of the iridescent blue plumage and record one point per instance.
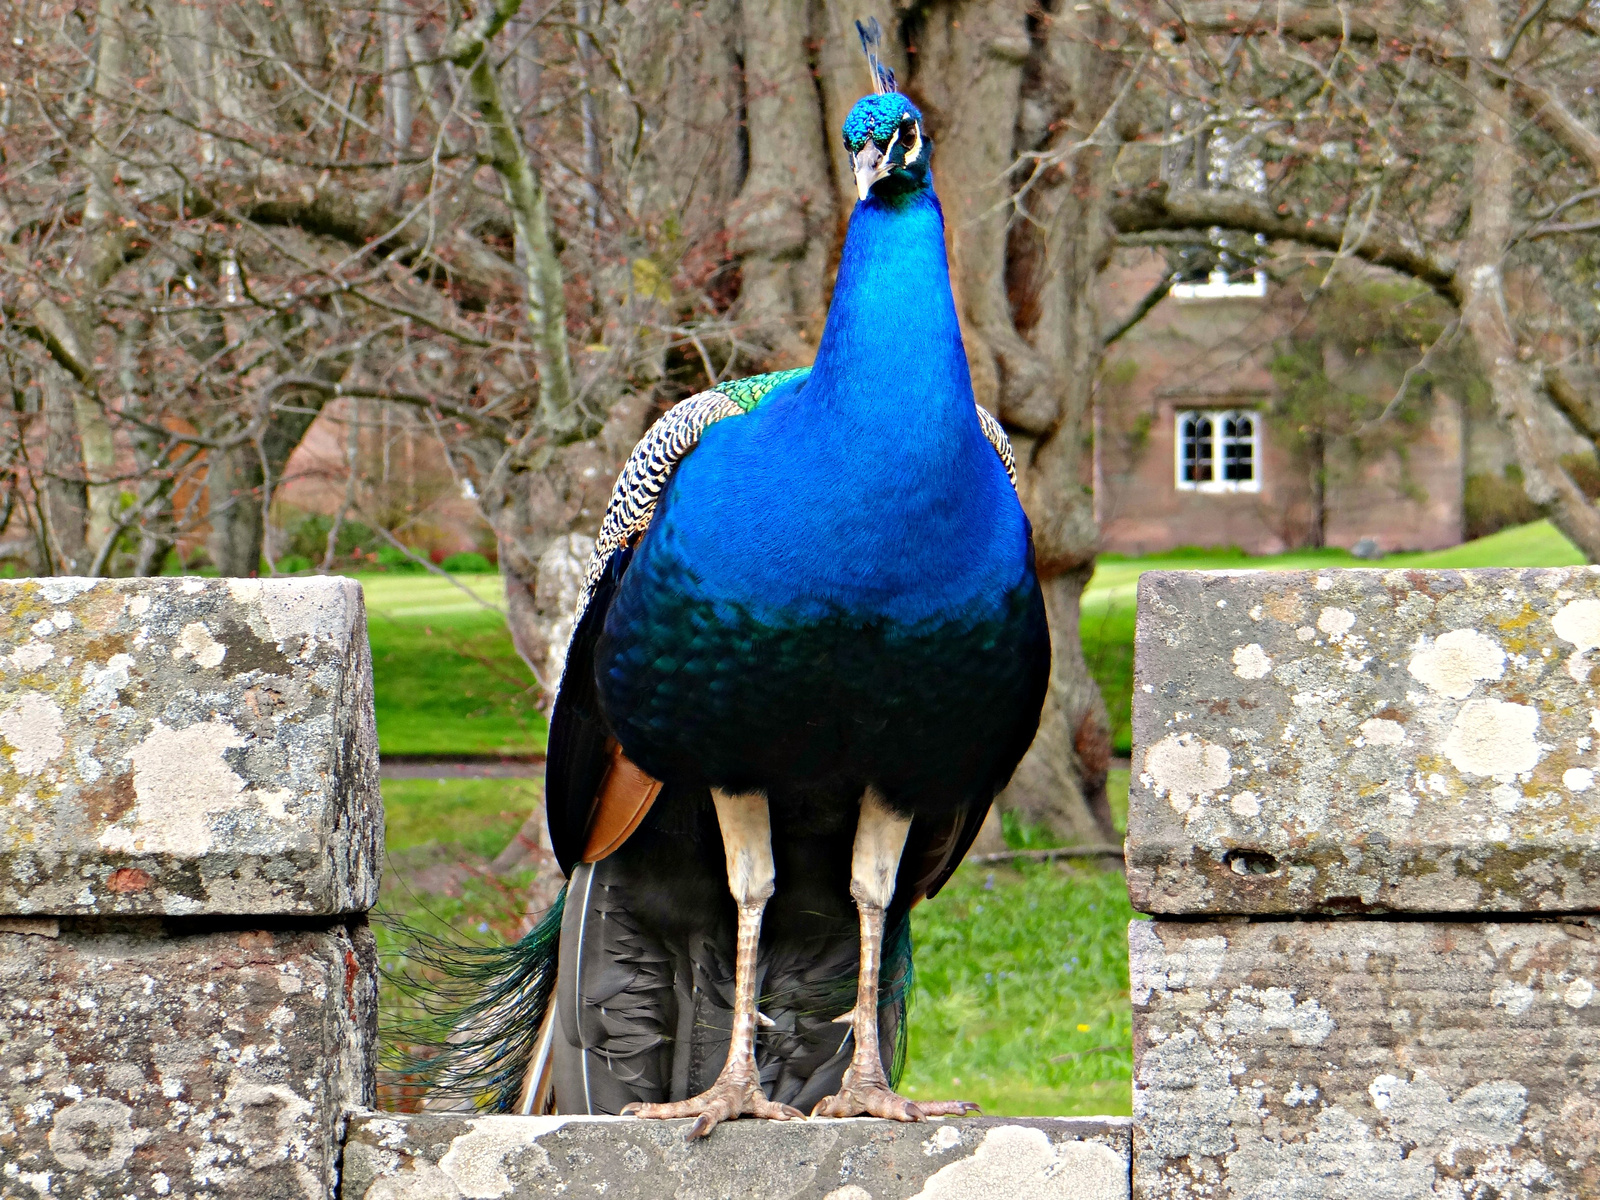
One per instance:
(834, 597)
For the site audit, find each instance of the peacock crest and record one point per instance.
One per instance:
(871, 42)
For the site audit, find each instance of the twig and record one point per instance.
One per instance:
(1503, 52)
(1076, 1055)
(1093, 850)
(1141, 310)
(1447, 338)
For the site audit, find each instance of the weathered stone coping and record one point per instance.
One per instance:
(1366, 741)
(186, 747)
(439, 1157)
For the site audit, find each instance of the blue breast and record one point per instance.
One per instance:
(793, 519)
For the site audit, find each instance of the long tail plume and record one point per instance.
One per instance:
(479, 1009)
(872, 44)
(894, 987)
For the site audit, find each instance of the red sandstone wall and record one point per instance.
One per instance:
(1215, 354)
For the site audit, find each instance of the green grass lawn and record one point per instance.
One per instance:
(446, 677)
(1021, 997)
(478, 816)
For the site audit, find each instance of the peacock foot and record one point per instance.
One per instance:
(729, 1098)
(874, 1098)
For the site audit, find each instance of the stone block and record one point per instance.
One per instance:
(186, 747)
(1353, 1059)
(135, 1061)
(437, 1157)
(1366, 740)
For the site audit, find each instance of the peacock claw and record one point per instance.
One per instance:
(874, 1099)
(725, 1100)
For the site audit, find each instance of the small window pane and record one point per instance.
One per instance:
(1197, 449)
(1238, 448)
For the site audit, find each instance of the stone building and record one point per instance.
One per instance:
(1192, 447)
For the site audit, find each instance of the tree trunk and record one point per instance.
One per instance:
(1317, 457)
(782, 224)
(1026, 291)
(842, 79)
(91, 271)
(1061, 782)
(557, 491)
(525, 196)
(240, 481)
(233, 486)
(66, 498)
(509, 473)
(1516, 384)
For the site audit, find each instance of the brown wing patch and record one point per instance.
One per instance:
(625, 796)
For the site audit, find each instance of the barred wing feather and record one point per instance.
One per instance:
(996, 434)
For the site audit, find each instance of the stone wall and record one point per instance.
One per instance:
(1414, 749)
(190, 836)
(1363, 814)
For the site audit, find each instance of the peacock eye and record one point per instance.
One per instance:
(911, 140)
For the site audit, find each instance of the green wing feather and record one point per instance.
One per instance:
(747, 393)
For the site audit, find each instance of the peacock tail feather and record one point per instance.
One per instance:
(894, 989)
(482, 1010)
(485, 1007)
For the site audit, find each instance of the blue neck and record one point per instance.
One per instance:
(870, 489)
(892, 344)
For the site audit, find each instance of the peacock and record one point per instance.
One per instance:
(811, 648)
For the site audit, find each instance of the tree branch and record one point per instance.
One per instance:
(1160, 208)
(1505, 51)
(525, 195)
(310, 383)
(1300, 22)
(1576, 393)
(1141, 310)
(1561, 123)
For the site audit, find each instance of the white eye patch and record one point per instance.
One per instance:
(915, 149)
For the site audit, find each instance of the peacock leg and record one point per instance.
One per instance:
(747, 843)
(880, 837)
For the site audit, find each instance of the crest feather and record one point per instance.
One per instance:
(871, 42)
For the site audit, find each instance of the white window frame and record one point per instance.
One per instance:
(1219, 287)
(1218, 417)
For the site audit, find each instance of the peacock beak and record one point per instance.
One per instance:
(870, 165)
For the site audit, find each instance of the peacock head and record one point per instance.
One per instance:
(888, 149)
